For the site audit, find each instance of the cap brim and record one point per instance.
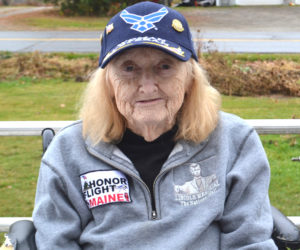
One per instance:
(169, 47)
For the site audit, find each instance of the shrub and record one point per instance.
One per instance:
(235, 77)
(229, 75)
(90, 7)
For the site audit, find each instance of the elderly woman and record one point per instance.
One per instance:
(153, 163)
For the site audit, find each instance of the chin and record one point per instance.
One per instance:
(153, 121)
(150, 121)
(153, 118)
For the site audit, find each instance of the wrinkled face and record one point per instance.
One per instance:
(148, 86)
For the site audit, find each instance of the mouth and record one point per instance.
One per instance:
(149, 101)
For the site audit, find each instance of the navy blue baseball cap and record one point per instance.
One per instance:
(147, 24)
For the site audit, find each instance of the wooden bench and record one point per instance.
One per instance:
(35, 128)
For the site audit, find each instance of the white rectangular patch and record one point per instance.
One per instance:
(104, 187)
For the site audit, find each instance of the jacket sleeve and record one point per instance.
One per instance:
(57, 222)
(247, 219)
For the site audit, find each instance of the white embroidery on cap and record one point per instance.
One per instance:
(143, 23)
(145, 40)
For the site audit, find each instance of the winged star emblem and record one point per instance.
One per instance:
(143, 23)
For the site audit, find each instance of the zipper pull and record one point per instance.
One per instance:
(154, 215)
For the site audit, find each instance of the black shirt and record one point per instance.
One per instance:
(148, 157)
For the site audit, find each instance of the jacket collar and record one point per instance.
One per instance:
(110, 153)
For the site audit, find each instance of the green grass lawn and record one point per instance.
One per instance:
(67, 23)
(29, 99)
(263, 107)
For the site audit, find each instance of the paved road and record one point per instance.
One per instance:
(79, 41)
(16, 10)
(254, 42)
(242, 29)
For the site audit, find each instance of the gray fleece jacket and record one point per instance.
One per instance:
(212, 195)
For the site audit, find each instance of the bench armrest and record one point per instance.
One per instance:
(285, 233)
(22, 235)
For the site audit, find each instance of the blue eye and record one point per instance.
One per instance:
(165, 66)
(129, 68)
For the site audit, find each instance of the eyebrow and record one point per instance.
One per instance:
(165, 59)
(127, 53)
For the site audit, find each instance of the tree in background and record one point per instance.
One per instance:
(91, 7)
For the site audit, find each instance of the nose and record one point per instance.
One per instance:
(148, 83)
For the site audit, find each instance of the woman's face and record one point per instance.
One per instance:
(148, 86)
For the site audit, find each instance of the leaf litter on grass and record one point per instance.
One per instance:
(38, 65)
(230, 77)
(239, 78)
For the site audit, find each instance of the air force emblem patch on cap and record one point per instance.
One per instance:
(147, 24)
(104, 187)
(143, 23)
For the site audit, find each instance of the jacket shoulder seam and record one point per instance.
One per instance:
(71, 125)
(52, 168)
(242, 146)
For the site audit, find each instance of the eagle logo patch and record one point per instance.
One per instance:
(143, 23)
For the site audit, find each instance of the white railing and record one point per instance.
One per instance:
(34, 128)
(29, 128)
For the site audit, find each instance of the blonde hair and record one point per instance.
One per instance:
(196, 119)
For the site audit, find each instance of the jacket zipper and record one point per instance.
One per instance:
(152, 206)
(154, 214)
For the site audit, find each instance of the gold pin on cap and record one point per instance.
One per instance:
(177, 25)
(109, 28)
